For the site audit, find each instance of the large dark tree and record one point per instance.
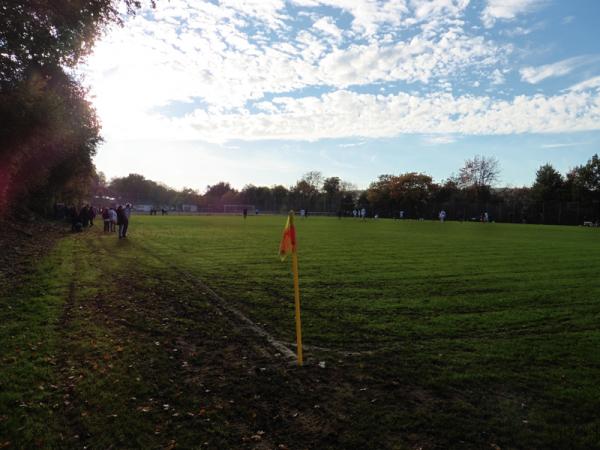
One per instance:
(48, 129)
(409, 192)
(589, 175)
(333, 192)
(48, 136)
(51, 33)
(548, 184)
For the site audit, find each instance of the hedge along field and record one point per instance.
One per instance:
(505, 314)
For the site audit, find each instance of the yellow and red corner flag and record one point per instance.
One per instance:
(288, 241)
(288, 245)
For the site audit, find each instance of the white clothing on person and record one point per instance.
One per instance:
(442, 216)
(363, 213)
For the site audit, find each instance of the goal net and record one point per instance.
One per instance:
(238, 209)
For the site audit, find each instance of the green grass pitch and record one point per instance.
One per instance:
(455, 335)
(371, 284)
(497, 307)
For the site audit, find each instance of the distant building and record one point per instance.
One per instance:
(144, 207)
(189, 208)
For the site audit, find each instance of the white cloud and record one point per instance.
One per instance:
(344, 114)
(352, 144)
(242, 70)
(417, 60)
(561, 145)
(497, 78)
(592, 83)
(198, 50)
(507, 10)
(327, 25)
(442, 139)
(266, 11)
(534, 75)
(367, 15)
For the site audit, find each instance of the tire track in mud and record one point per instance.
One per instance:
(263, 387)
(228, 310)
(70, 373)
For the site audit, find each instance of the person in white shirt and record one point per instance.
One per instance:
(127, 214)
(113, 218)
(442, 216)
(363, 213)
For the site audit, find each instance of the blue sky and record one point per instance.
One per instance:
(261, 91)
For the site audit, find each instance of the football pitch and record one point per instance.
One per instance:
(417, 335)
(501, 307)
(490, 289)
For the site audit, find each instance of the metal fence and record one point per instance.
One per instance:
(552, 213)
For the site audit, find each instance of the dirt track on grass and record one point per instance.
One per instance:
(151, 357)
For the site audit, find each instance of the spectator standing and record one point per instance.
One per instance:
(92, 215)
(106, 219)
(442, 216)
(74, 217)
(127, 212)
(84, 216)
(121, 221)
(113, 219)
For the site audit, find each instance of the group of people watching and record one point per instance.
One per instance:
(117, 217)
(113, 218)
(83, 218)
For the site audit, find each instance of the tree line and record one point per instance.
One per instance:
(553, 198)
(49, 131)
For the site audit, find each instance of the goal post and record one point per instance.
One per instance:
(238, 209)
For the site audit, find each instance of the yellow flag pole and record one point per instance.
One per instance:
(297, 300)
